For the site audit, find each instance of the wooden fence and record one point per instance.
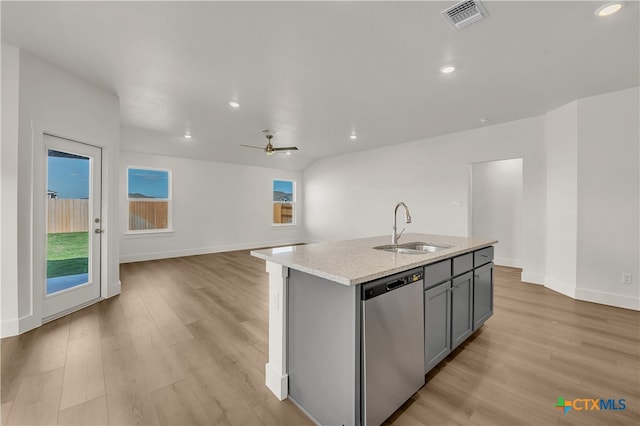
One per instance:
(148, 215)
(68, 215)
(282, 213)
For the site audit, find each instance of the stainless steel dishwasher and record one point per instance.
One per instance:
(392, 343)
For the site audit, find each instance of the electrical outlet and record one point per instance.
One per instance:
(626, 278)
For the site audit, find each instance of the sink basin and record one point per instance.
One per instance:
(413, 248)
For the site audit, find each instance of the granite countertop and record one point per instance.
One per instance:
(353, 262)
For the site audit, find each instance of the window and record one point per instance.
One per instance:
(283, 202)
(149, 199)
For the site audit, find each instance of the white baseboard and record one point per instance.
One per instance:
(9, 328)
(203, 250)
(28, 322)
(528, 277)
(14, 327)
(308, 241)
(277, 383)
(610, 299)
(510, 263)
(561, 287)
(114, 289)
(586, 295)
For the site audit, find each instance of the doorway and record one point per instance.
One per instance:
(73, 225)
(496, 207)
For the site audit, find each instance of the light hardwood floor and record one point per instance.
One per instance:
(186, 343)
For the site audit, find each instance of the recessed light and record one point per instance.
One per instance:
(484, 120)
(187, 135)
(234, 104)
(288, 153)
(353, 136)
(608, 9)
(447, 69)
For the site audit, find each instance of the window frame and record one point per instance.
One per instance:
(293, 202)
(168, 200)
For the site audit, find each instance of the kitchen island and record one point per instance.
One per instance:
(315, 312)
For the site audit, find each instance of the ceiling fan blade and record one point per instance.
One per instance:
(270, 149)
(256, 147)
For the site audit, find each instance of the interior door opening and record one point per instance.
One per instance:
(496, 207)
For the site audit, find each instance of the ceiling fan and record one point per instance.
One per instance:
(270, 149)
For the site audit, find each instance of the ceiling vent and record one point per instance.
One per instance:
(464, 13)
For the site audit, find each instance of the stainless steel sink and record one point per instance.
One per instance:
(413, 248)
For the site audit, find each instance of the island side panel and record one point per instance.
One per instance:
(323, 350)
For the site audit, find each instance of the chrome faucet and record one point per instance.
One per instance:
(407, 219)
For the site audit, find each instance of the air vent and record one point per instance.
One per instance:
(464, 13)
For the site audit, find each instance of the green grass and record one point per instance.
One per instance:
(67, 254)
(61, 268)
(67, 245)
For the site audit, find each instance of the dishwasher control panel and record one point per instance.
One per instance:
(415, 277)
(384, 285)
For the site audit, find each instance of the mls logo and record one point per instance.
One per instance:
(590, 404)
(563, 405)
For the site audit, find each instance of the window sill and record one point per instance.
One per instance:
(283, 225)
(149, 233)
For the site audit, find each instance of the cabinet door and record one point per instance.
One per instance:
(437, 324)
(482, 294)
(461, 308)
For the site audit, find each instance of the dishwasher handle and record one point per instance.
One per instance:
(395, 284)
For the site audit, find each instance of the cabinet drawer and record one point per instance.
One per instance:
(483, 256)
(462, 264)
(437, 273)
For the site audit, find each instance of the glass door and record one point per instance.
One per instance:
(73, 231)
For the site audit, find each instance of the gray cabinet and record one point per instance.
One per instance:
(324, 345)
(462, 264)
(461, 308)
(458, 299)
(437, 273)
(482, 256)
(482, 294)
(437, 324)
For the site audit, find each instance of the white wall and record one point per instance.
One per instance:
(561, 140)
(216, 207)
(9, 191)
(593, 234)
(496, 207)
(581, 192)
(608, 240)
(56, 102)
(353, 195)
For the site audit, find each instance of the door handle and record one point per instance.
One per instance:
(99, 231)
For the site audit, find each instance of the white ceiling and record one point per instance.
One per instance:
(316, 71)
